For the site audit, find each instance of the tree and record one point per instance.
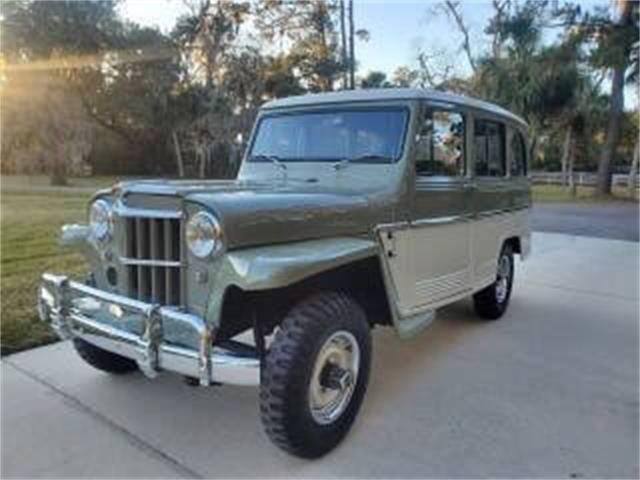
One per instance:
(207, 34)
(375, 80)
(433, 74)
(34, 30)
(534, 80)
(187, 98)
(633, 170)
(120, 74)
(53, 46)
(404, 77)
(452, 9)
(309, 26)
(614, 51)
(44, 126)
(352, 48)
(280, 79)
(206, 113)
(343, 44)
(133, 95)
(540, 82)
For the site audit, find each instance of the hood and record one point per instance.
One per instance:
(255, 213)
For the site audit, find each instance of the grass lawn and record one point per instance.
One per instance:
(29, 224)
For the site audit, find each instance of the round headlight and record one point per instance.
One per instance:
(100, 219)
(203, 234)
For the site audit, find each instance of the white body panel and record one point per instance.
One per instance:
(488, 234)
(437, 262)
(441, 261)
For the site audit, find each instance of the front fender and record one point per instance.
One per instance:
(277, 266)
(282, 265)
(78, 237)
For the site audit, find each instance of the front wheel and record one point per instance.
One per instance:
(492, 302)
(315, 374)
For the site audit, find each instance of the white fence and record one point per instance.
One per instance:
(580, 178)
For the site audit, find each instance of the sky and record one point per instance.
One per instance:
(397, 29)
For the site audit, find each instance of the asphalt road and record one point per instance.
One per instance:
(551, 390)
(618, 220)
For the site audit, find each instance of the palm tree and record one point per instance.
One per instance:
(616, 46)
(352, 53)
(542, 84)
(343, 43)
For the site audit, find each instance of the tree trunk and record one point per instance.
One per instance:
(569, 159)
(633, 170)
(59, 167)
(58, 177)
(566, 154)
(176, 146)
(532, 149)
(352, 49)
(571, 166)
(202, 160)
(452, 8)
(343, 35)
(614, 128)
(603, 184)
(326, 79)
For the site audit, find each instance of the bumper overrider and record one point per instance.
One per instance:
(75, 310)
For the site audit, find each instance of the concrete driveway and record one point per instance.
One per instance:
(617, 220)
(549, 391)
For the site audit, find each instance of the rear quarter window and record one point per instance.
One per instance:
(489, 148)
(518, 155)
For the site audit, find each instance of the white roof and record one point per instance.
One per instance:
(382, 94)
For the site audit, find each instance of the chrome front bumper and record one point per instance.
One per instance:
(58, 303)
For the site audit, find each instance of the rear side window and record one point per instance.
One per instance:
(439, 149)
(489, 149)
(518, 155)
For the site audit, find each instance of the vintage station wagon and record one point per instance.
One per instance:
(351, 210)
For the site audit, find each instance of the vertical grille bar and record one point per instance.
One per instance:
(176, 255)
(149, 239)
(132, 252)
(168, 250)
(157, 253)
(142, 234)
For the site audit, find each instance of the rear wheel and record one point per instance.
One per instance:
(315, 374)
(102, 359)
(492, 302)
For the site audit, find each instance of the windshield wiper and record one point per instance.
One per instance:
(277, 161)
(340, 164)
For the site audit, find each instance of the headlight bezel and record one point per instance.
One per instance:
(101, 229)
(203, 223)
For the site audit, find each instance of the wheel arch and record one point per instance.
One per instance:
(514, 243)
(362, 279)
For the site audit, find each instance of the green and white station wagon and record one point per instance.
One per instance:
(351, 210)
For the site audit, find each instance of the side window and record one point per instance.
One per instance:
(439, 149)
(518, 155)
(489, 149)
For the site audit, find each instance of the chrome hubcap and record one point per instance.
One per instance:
(334, 377)
(502, 282)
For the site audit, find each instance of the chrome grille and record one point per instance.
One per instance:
(153, 259)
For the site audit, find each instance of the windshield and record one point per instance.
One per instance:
(368, 136)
